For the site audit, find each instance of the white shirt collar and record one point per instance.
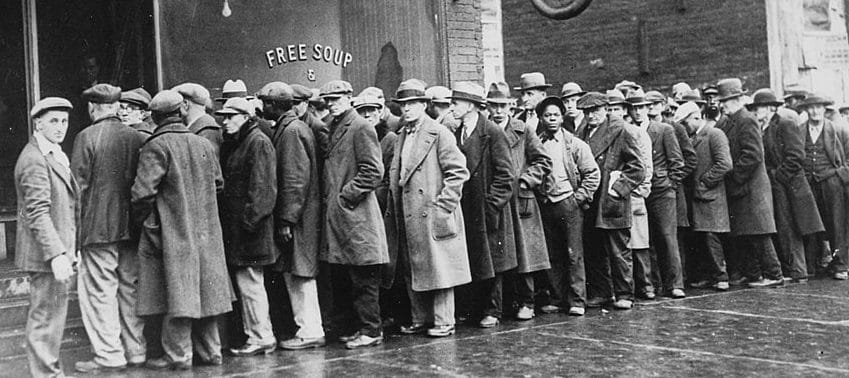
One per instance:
(46, 147)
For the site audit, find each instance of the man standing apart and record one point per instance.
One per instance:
(182, 269)
(46, 233)
(356, 236)
(105, 159)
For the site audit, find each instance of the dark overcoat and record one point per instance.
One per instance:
(387, 141)
(530, 165)
(298, 196)
(207, 127)
(688, 152)
(353, 170)
(104, 163)
(667, 160)
(182, 268)
(836, 145)
(424, 220)
(706, 189)
(747, 184)
(488, 219)
(615, 150)
(250, 191)
(784, 154)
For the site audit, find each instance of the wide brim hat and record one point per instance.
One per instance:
(815, 100)
(532, 80)
(232, 89)
(615, 97)
(729, 88)
(468, 91)
(692, 96)
(411, 90)
(636, 98)
(499, 93)
(571, 90)
(550, 100)
(764, 97)
(439, 94)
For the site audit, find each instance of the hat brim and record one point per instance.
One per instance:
(479, 101)
(134, 102)
(768, 103)
(551, 100)
(369, 105)
(228, 111)
(541, 86)
(414, 98)
(730, 97)
(499, 100)
(567, 95)
(441, 101)
(224, 99)
(638, 103)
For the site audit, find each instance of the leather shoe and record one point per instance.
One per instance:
(364, 341)
(703, 284)
(163, 363)
(550, 309)
(677, 294)
(525, 313)
(488, 321)
(92, 367)
(347, 338)
(841, 276)
(596, 302)
(766, 282)
(576, 311)
(721, 286)
(298, 343)
(253, 350)
(742, 281)
(414, 328)
(441, 330)
(650, 295)
(623, 304)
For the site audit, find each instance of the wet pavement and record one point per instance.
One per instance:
(797, 330)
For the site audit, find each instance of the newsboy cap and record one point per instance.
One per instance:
(166, 101)
(592, 100)
(336, 88)
(138, 96)
(193, 92)
(300, 92)
(366, 101)
(102, 94)
(814, 99)
(411, 90)
(50, 103)
(237, 105)
(276, 91)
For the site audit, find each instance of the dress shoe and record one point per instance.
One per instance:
(525, 313)
(550, 309)
(212, 361)
(721, 286)
(134, 363)
(766, 282)
(576, 311)
(650, 295)
(742, 281)
(364, 341)
(253, 350)
(163, 363)
(800, 280)
(841, 276)
(351, 337)
(414, 328)
(598, 302)
(92, 367)
(677, 294)
(298, 343)
(623, 304)
(441, 330)
(488, 321)
(703, 284)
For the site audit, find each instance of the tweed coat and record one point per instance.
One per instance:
(667, 160)
(48, 213)
(615, 150)
(355, 232)
(531, 164)
(424, 220)
(640, 237)
(249, 167)
(747, 184)
(784, 154)
(706, 187)
(387, 141)
(488, 219)
(298, 196)
(836, 144)
(207, 127)
(689, 155)
(104, 163)
(182, 267)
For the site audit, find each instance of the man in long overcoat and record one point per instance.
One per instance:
(182, 267)
(826, 166)
(530, 166)
(607, 221)
(489, 224)
(249, 168)
(705, 189)
(796, 214)
(104, 163)
(355, 234)
(194, 113)
(749, 193)
(424, 218)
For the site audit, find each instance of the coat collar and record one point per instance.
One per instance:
(476, 144)
(172, 125)
(281, 123)
(203, 122)
(106, 118)
(64, 173)
(514, 131)
(602, 138)
(339, 126)
(426, 135)
(702, 135)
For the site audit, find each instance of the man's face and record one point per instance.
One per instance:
(438, 109)
(596, 115)
(639, 113)
(130, 114)
(53, 125)
(461, 108)
(571, 104)
(815, 112)
(338, 105)
(656, 108)
(413, 111)
(552, 118)
(300, 107)
(499, 112)
(693, 122)
(233, 122)
(370, 113)
(91, 69)
(729, 106)
(763, 113)
(617, 110)
(532, 97)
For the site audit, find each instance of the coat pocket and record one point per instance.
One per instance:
(527, 202)
(443, 225)
(152, 230)
(704, 194)
(614, 207)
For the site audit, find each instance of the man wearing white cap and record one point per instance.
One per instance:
(193, 111)
(439, 107)
(46, 243)
(392, 121)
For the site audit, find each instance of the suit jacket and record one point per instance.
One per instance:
(836, 144)
(207, 127)
(104, 163)
(615, 150)
(706, 187)
(47, 210)
(689, 154)
(667, 160)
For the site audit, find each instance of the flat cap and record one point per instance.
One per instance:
(685, 110)
(300, 92)
(102, 94)
(439, 94)
(50, 103)
(194, 92)
(166, 101)
(137, 96)
(276, 90)
(374, 92)
(237, 105)
(592, 100)
(366, 101)
(655, 96)
(336, 88)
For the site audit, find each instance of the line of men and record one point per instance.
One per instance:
(445, 214)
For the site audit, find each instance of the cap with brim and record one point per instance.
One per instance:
(710, 91)
(335, 89)
(550, 100)
(236, 105)
(102, 94)
(50, 103)
(138, 97)
(411, 90)
(195, 93)
(300, 92)
(842, 107)
(655, 96)
(815, 100)
(692, 96)
(615, 97)
(166, 101)
(592, 100)
(685, 110)
(571, 90)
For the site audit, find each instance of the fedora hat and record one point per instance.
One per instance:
(814, 99)
(679, 90)
(571, 89)
(411, 90)
(765, 97)
(626, 86)
(655, 96)
(232, 89)
(499, 93)
(692, 96)
(729, 88)
(615, 97)
(468, 91)
(532, 80)
(637, 97)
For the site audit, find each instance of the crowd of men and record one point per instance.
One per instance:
(466, 208)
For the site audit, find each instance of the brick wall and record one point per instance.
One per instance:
(706, 41)
(464, 40)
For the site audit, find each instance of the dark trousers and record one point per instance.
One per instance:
(663, 228)
(829, 195)
(788, 241)
(356, 298)
(523, 284)
(563, 225)
(708, 256)
(280, 311)
(48, 310)
(643, 268)
(686, 245)
(761, 258)
(493, 290)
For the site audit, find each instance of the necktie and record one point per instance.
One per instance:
(461, 133)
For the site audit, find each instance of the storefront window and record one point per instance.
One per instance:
(13, 99)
